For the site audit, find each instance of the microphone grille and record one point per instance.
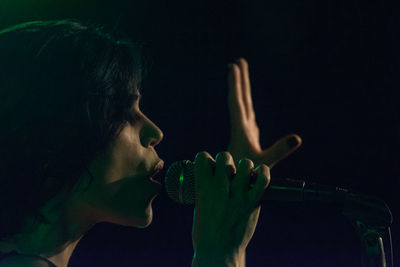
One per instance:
(179, 182)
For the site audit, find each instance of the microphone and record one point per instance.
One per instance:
(180, 186)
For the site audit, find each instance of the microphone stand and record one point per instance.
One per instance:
(371, 218)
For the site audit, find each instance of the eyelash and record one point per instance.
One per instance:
(134, 118)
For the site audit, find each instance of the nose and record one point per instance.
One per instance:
(151, 135)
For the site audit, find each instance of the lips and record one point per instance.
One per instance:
(156, 170)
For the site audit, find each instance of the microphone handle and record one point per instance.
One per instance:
(180, 187)
(292, 190)
(362, 206)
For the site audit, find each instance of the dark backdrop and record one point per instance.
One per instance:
(327, 70)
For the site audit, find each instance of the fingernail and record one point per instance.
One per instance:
(254, 174)
(292, 142)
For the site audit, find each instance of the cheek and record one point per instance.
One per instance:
(127, 154)
(121, 193)
(126, 202)
(132, 203)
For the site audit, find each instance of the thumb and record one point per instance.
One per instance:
(280, 149)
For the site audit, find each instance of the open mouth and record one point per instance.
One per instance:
(157, 169)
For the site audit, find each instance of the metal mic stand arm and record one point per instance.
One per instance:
(371, 218)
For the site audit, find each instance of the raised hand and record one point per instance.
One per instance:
(245, 134)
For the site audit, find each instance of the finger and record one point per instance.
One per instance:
(235, 96)
(225, 168)
(281, 149)
(262, 181)
(203, 169)
(246, 88)
(240, 184)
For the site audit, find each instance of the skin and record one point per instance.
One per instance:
(227, 208)
(122, 192)
(245, 134)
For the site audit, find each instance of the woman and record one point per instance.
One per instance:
(76, 149)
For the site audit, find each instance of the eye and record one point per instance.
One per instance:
(134, 118)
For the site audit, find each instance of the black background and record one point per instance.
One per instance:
(326, 70)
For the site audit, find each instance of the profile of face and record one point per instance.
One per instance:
(122, 190)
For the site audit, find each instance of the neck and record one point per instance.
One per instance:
(54, 241)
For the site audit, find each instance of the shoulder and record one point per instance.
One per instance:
(24, 260)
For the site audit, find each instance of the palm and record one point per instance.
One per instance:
(245, 134)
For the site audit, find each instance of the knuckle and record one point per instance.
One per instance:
(265, 167)
(264, 170)
(203, 158)
(246, 163)
(225, 162)
(223, 156)
(265, 174)
(202, 155)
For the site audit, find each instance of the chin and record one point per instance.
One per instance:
(147, 219)
(141, 220)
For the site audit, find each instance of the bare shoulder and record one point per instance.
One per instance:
(23, 260)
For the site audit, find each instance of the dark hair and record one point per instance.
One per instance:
(66, 90)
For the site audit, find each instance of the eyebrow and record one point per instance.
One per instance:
(136, 97)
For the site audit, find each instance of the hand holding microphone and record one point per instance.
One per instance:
(226, 211)
(226, 192)
(180, 186)
(227, 203)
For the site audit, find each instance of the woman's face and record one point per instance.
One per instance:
(122, 189)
